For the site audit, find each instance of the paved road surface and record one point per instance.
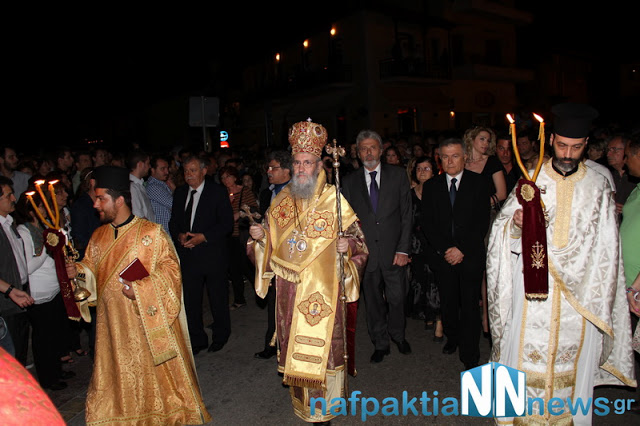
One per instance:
(241, 390)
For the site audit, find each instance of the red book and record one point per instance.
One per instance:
(134, 271)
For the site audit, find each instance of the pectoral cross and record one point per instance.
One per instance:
(292, 243)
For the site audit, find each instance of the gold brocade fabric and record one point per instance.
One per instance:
(144, 371)
(303, 235)
(580, 337)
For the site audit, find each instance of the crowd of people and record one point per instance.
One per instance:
(432, 226)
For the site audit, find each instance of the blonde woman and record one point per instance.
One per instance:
(480, 147)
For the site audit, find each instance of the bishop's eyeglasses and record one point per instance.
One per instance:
(306, 163)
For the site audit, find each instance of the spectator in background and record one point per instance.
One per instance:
(424, 299)
(392, 156)
(43, 166)
(630, 234)
(64, 164)
(48, 316)
(99, 157)
(82, 161)
(528, 148)
(279, 170)
(597, 151)
(455, 220)
(239, 196)
(159, 192)
(480, 147)
(9, 168)
(14, 276)
(201, 221)
(138, 163)
(84, 218)
(504, 151)
(615, 157)
(380, 195)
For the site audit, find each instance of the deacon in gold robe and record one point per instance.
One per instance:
(578, 335)
(299, 244)
(144, 372)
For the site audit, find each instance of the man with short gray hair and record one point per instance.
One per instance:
(380, 195)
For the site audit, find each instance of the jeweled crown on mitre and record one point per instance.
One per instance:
(307, 137)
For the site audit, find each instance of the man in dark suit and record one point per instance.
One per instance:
(14, 277)
(455, 219)
(279, 172)
(380, 195)
(201, 221)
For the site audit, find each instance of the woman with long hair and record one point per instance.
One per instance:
(239, 195)
(424, 299)
(47, 315)
(480, 147)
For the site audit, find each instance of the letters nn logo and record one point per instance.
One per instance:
(493, 390)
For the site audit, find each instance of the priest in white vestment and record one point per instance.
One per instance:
(577, 334)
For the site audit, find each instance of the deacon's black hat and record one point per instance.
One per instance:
(573, 120)
(112, 177)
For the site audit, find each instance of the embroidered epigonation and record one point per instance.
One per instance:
(315, 308)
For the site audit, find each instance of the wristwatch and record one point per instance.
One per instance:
(9, 290)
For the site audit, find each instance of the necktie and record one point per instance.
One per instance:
(452, 197)
(373, 190)
(453, 191)
(187, 212)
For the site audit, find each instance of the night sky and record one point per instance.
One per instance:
(68, 73)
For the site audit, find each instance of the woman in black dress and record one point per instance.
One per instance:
(480, 147)
(423, 298)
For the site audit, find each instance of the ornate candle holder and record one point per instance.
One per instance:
(61, 247)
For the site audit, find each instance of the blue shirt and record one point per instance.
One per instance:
(161, 201)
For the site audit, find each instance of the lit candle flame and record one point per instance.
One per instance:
(30, 195)
(542, 142)
(38, 184)
(52, 191)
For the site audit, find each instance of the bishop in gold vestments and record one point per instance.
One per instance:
(299, 244)
(144, 372)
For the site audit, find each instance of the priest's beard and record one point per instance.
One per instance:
(302, 184)
(565, 164)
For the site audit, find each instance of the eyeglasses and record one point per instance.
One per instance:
(273, 168)
(612, 149)
(306, 163)
(423, 169)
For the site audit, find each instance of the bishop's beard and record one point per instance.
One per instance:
(302, 187)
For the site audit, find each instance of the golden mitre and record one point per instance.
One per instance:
(307, 137)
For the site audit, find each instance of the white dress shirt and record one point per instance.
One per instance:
(458, 177)
(43, 280)
(140, 203)
(367, 176)
(196, 199)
